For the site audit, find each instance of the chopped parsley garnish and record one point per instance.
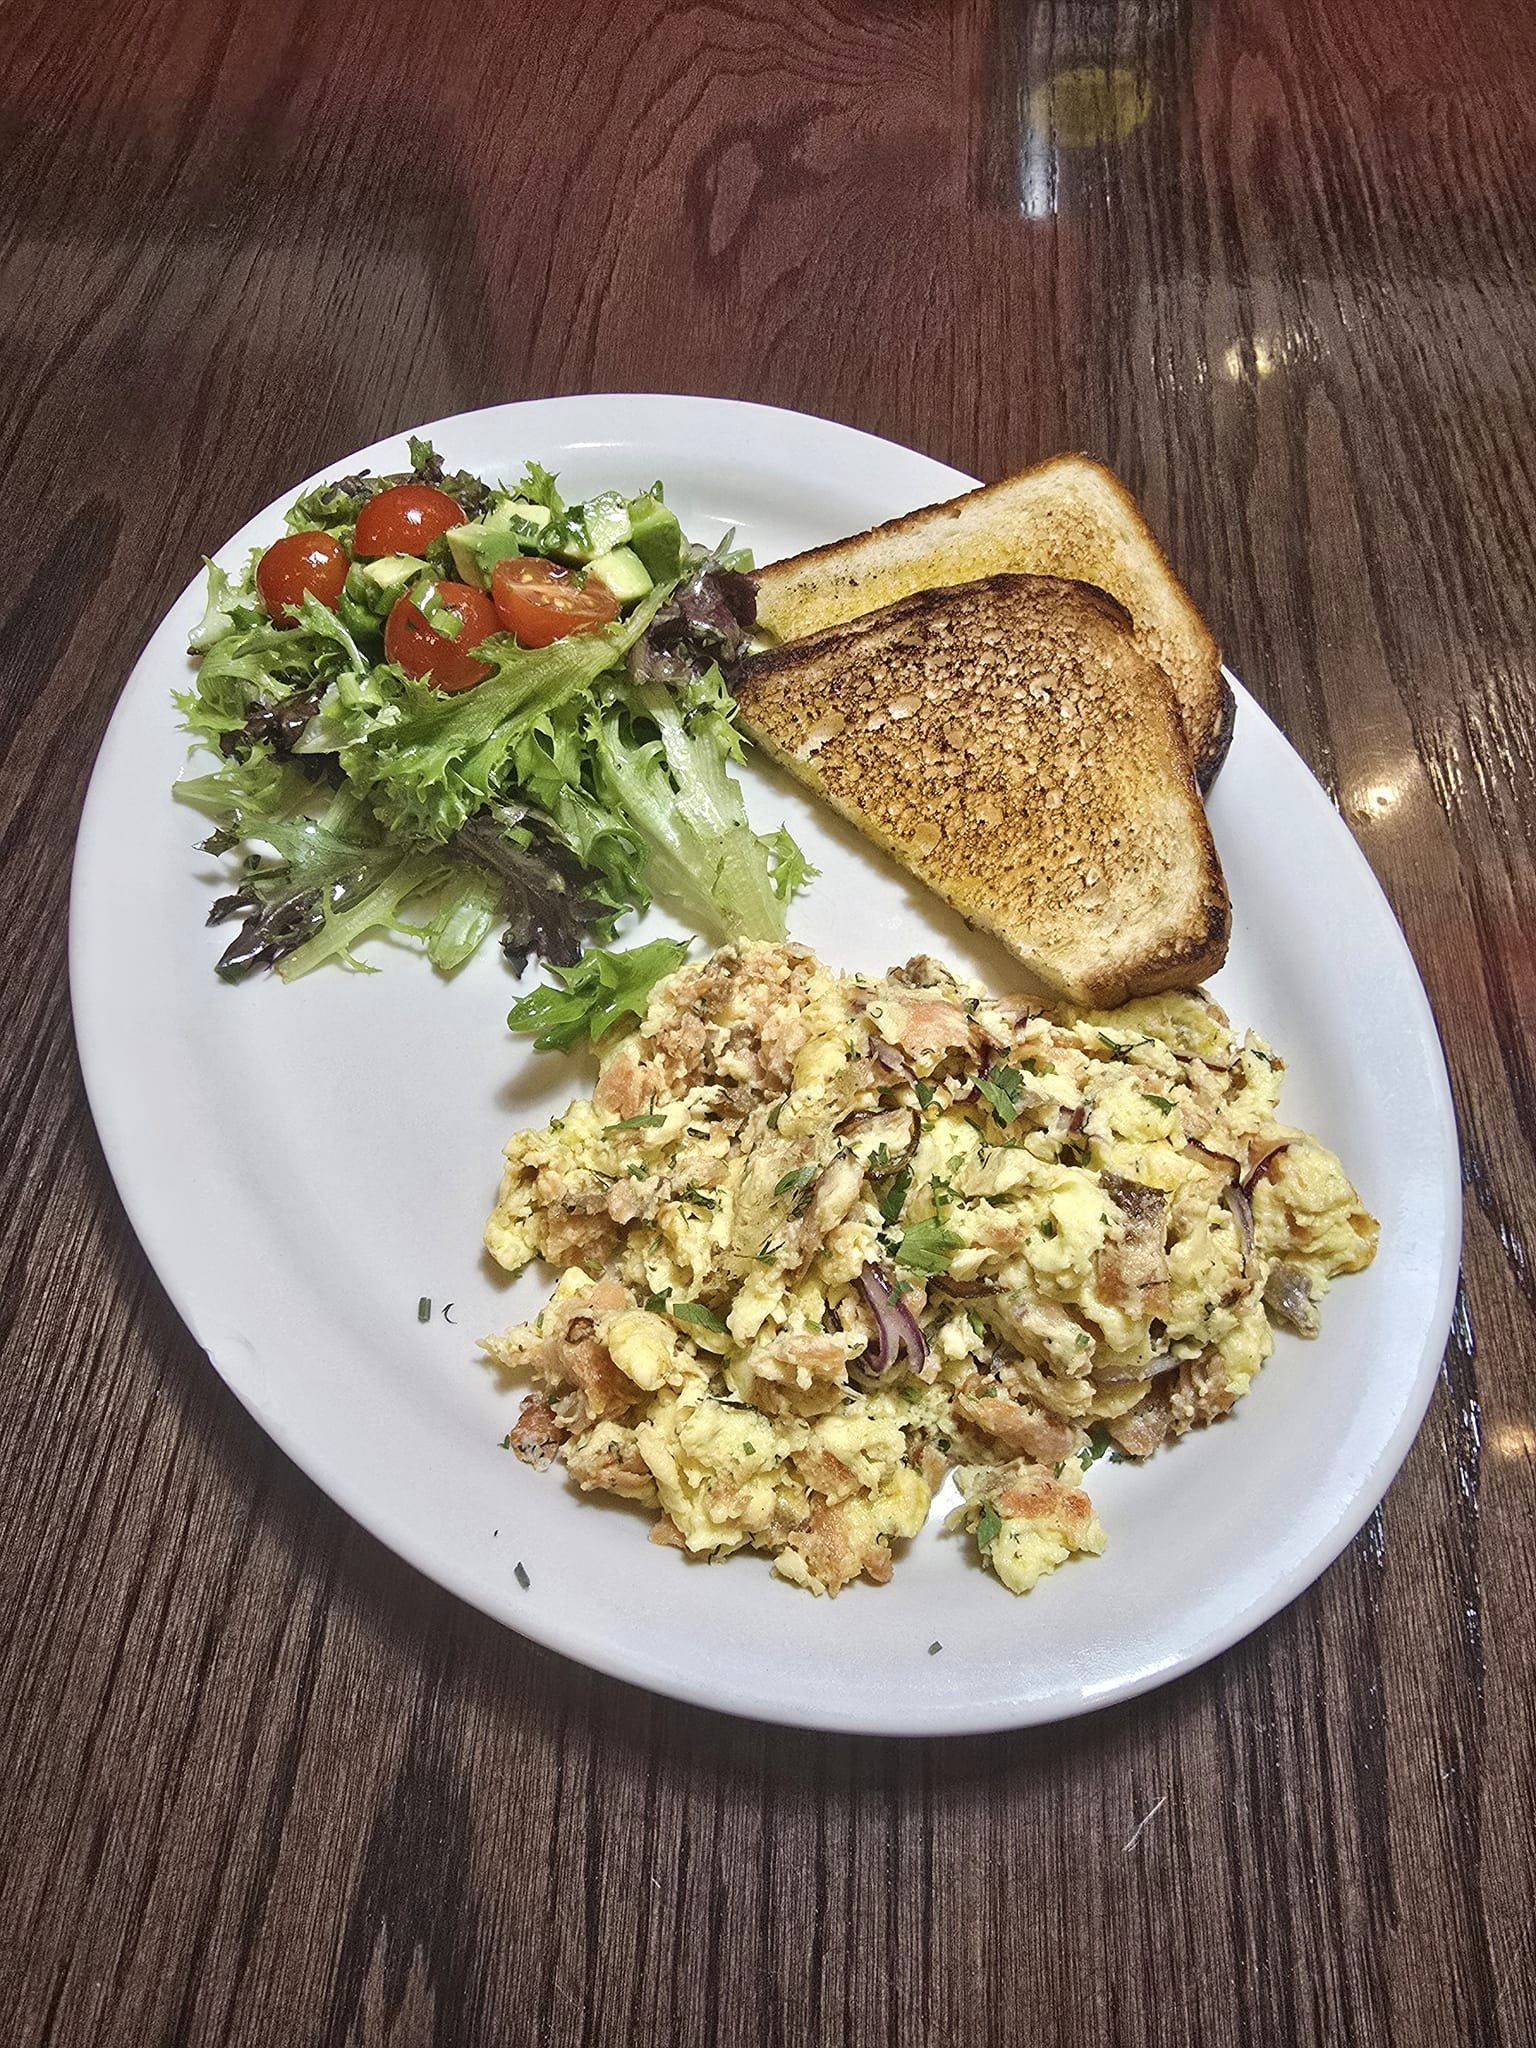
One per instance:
(637, 1123)
(1037, 1067)
(924, 1093)
(798, 1179)
(766, 1251)
(700, 1199)
(934, 1649)
(894, 1197)
(656, 1304)
(774, 1114)
(988, 1526)
(1159, 1102)
(926, 1246)
(1098, 1444)
(519, 1572)
(880, 1158)
(1083, 1340)
(1048, 1227)
(978, 1321)
(1101, 1442)
(1003, 1090)
(696, 1312)
(749, 1447)
(506, 1442)
(424, 1309)
(1121, 1049)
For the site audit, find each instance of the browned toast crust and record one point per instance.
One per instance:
(1081, 523)
(1008, 742)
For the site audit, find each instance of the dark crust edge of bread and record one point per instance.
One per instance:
(1181, 965)
(1213, 746)
(1212, 757)
(1187, 965)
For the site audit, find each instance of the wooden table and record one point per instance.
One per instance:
(1273, 262)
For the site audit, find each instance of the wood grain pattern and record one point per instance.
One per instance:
(1276, 265)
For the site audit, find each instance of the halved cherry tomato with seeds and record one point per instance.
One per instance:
(540, 602)
(405, 520)
(297, 564)
(443, 659)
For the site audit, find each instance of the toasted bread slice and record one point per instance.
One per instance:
(1069, 517)
(1008, 742)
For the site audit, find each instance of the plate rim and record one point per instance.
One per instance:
(543, 1625)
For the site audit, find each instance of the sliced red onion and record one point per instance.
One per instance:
(1260, 1165)
(1237, 1201)
(896, 1330)
(1222, 1159)
(1119, 1376)
(891, 1059)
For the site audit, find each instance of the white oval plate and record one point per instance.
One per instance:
(303, 1164)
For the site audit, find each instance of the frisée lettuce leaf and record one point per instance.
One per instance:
(662, 757)
(587, 1000)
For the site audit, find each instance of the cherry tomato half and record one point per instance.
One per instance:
(405, 520)
(414, 642)
(297, 563)
(538, 602)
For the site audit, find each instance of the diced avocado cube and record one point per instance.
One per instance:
(389, 574)
(607, 523)
(513, 512)
(463, 546)
(492, 548)
(592, 529)
(622, 571)
(656, 537)
(478, 545)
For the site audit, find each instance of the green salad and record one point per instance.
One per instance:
(438, 707)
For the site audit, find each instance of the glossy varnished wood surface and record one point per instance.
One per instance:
(1276, 264)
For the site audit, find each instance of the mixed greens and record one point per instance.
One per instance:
(516, 718)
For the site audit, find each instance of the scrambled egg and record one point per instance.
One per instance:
(825, 1239)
